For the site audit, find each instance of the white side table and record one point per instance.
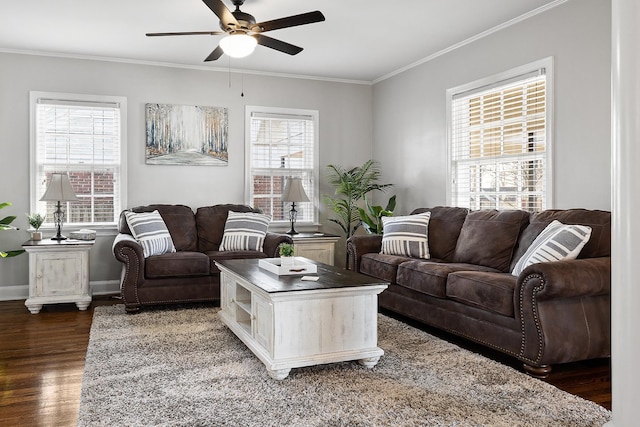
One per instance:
(58, 272)
(316, 246)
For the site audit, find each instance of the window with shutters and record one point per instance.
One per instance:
(82, 136)
(499, 141)
(282, 143)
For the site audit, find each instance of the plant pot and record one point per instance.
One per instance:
(36, 235)
(287, 261)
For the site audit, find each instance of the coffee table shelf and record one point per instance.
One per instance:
(289, 323)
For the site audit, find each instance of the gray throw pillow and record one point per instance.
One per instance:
(555, 243)
(149, 229)
(244, 231)
(406, 235)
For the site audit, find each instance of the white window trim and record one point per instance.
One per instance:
(547, 64)
(284, 225)
(103, 229)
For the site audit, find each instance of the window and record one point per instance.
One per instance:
(282, 143)
(82, 136)
(499, 141)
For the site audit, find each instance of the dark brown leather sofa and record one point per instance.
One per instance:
(554, 312)
(189, 274)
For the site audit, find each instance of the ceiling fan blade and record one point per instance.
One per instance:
(217, 53)
(222, 12)
(277, 44)
(289, 21)
(187, 33)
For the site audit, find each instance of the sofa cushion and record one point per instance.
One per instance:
(445, 224)
(489, 238)
(179, 219)
(178, 264)
(381, 266)
(222, 255)
(406, 235)
(489, 291)
(430, 277)
(149, 229)
(244, 231)
(556, 242)
(210, 222)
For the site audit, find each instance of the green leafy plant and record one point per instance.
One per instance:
(5, 224)
(35, 220)
(351, 185)
(286, 249)
(372, 217)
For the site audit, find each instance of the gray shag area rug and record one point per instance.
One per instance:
(183, 367)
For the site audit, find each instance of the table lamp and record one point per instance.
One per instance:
(59, 190)
(293, 192)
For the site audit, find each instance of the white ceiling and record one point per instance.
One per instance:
(361, 40)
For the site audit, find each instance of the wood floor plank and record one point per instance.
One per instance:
(42, 358)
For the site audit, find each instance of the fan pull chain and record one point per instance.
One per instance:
(242, 85)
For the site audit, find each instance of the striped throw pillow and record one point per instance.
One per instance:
(406, 235)
(149, 229)
(557, 242)
(244, 231)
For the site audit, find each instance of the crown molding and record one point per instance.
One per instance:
(182, 66)
(472, 39)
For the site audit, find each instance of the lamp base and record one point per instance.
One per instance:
(293, 214)
(59, 238)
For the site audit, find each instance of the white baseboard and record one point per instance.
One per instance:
(10, 293)
(105, 287)
(18, 292)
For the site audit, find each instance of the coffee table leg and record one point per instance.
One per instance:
(279, 374)
(369, 362)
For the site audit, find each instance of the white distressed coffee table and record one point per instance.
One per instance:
(289, 323)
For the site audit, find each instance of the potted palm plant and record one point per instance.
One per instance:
(35, 221)
(351, 185)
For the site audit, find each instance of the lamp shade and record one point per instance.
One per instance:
(238, 45)
(59, 189)
(293, 191)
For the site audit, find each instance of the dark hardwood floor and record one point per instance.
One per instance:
(42, 358)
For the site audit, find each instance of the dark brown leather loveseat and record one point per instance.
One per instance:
(553, 312)
(190, 273)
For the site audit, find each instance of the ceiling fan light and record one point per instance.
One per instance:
(238, 45)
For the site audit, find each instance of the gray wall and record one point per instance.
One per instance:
(410, 113)
(345, 137)
(401, 122)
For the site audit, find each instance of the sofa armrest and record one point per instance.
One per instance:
(360, 245)
(564, 311)
(271, 243)
(128, 251)
(567, 279)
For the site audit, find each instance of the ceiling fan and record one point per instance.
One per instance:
(243, 33)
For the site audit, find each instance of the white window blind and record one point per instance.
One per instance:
(281, 144)
(498, 146)
(82, 138)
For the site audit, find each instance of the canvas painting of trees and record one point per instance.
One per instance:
(186, 135)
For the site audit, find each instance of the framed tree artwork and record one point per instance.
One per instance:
(186, 135)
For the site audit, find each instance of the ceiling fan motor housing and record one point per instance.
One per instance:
(245, 20)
